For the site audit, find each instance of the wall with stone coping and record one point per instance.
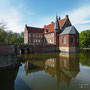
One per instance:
(8, 61)
(6, 49)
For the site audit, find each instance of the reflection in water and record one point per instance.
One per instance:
(50, 71)
(7, 79)
(85, 58)
(8, 61)
(62, 66)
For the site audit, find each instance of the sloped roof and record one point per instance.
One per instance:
(57, 27)
(69, 30)
(35, 30)
(50, 27)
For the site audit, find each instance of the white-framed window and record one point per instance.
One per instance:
(52, 35)
(39, 40)
(36, 40)
(50, 40)
(65, 63)
(39, 36)
(33, 35)
(64, 40)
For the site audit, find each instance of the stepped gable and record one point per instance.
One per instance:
(50, 27)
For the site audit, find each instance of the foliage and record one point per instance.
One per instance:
(84, 38)
(85, 59)
(11, 38)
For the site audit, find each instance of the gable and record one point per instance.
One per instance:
(50, 27)
(69, 30)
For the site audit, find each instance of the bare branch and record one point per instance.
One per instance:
(2, 25)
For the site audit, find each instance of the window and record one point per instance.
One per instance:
(47, 35)
(29, 40)
(50, 40)
(29, 34)
(41, 36)
(36, 40)
(52, 34)
(46, 31)
(71, 40)
(64, 40)
(33, 35)
(65, 63)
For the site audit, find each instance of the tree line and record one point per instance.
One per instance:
(84, 39)
(9, 37)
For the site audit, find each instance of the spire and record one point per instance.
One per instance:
(57, 27)
(59, 18)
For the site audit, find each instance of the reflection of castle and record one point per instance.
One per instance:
(63, 67)
(7, 78)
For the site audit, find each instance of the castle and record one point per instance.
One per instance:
(60, 33)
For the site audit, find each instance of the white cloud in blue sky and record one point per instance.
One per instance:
(17, 13)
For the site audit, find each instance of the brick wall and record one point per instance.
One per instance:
(68, 44)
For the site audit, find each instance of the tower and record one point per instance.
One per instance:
(56, 32)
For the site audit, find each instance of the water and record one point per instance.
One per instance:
(50, 71)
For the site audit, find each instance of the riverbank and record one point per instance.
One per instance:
(85, 49)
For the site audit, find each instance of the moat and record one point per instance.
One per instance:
(48, 71)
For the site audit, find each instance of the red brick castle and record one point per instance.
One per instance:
(60, 33)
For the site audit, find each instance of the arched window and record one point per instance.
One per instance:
(64, 40)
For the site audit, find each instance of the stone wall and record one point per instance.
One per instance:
(6, 49)
(8, 61)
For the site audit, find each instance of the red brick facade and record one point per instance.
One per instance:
(49, 35)
(68, 43)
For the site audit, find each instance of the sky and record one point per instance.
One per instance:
(37, 13)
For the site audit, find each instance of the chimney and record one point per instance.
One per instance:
(44, 25)
(52, 22)
(67, 16)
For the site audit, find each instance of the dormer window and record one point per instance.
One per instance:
(46, 31)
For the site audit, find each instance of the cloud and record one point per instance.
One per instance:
(16, 20)
(80, 17)
(11, 16)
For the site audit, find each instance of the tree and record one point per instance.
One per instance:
(84, 38)
(3, 35)
(8, 37)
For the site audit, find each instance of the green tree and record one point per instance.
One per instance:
(85, 59)
(3, 35)
(84, 38)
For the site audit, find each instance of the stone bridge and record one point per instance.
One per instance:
(26, 49)
(23, 49)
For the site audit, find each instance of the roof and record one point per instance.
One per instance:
(50, 27)
(69, 30)
(57, 27)
(35, 30)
